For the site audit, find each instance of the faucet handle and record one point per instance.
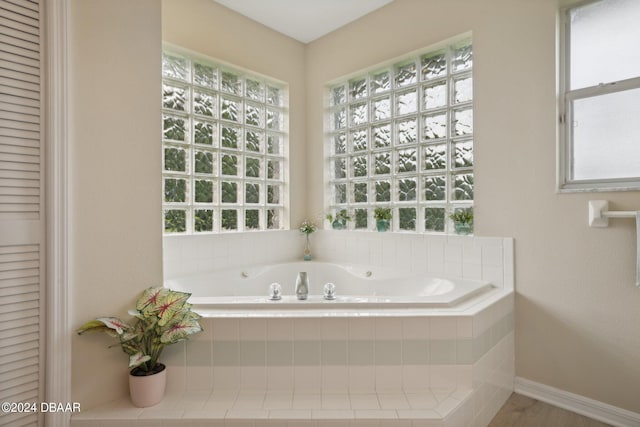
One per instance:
(329, 291)
(275, 291)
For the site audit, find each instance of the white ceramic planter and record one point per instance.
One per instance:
(147, 390)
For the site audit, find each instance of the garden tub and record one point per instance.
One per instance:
(356, 288)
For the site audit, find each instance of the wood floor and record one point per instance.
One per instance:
(522, 411)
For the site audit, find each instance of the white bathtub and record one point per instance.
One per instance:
(357, 288)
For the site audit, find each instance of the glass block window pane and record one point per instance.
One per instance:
(204, 103)
(406, 102)
(229, 165)
(435, 187)
(463, 154)
(252, 193)
(361, 219)
(462, 58)
(340, 193)
(254, 90)
(435, 157)
(229, 219)
(202, 220)
(203, 162)
(463, 186)
(253, 167)
(463, 121)
(204, 191)
(231, 137)
(340, 143)
(406, 189)
(358, 88)
(434, 65)
(174, 97)
(231, 83)
(205, 75)
(435, 126)
(400, 136)
(435, 95)
(274, 144)
(358, 114)
(381, 82)
(359, 166)
(254, 115)
(338, 95)
(406, 160)
(382, 136)
(273, 219)
(381, 108)
(230, 109)
(407, 220)
(273, 194)
(175, 190)
(360, 139)
(383, 191)
(407, 131)
(175, 220)
(360, 192)
(204, 133)
(254, 141)
(229, 192)
(252, 219)
(224, 141)
(174, 128)
(274, 96)
(463, 89)
(175, 67)
(434, 219)
(175, 159)
(405, 74)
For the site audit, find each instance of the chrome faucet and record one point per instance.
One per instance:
(302, 285)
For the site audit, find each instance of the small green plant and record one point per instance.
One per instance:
(340, 220)
(162, 317)
(382, 214)
(462, 217)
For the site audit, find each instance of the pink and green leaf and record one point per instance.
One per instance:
(138, 359)
(170, 305)
(181, 330)
(111, 325)
(150, 298)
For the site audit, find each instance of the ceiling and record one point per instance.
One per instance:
(304, 20)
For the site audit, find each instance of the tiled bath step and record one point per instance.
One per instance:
(427, 408)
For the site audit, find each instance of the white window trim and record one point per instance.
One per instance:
(564, 181)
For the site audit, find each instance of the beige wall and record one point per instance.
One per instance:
(215, 31)
(115, 191)
(577, 310)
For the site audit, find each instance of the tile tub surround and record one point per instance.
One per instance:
(439, 370)
(467, 257)
(438, 367)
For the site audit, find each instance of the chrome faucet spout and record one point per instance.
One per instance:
(302, 285)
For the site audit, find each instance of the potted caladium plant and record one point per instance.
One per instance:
(162, 317)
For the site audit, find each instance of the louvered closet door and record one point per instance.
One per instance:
(21, 210)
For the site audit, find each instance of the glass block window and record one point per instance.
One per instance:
(401, 137)
(224, 139)
(600, 86)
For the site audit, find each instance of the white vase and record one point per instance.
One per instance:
(147, 390)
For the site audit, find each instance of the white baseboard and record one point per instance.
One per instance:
(579, 404)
